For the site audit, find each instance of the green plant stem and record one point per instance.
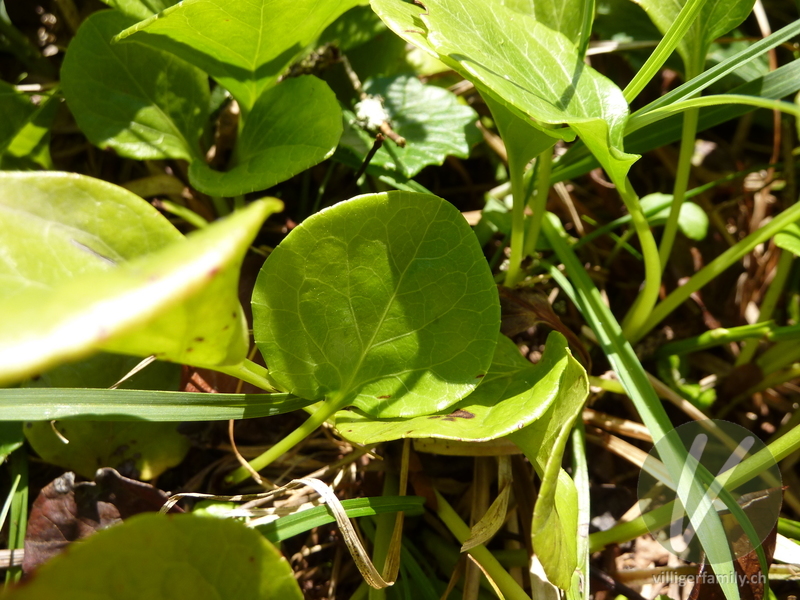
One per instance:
(646, 300)
(250, 372)
(187, 214)
(789, 528)
(688, 134)
(634, 378)
(18, 523)
(220, 206)
(769, 303)
(665, 47)
(580, 470)
(746, 470)
(539, 201)
(505, 583)
(516, 170)
(779, 356)
(715, 268)
(721, 335)
(325, 411)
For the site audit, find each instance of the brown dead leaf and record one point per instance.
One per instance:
(65, 511)
(748, 572)
(523, 308)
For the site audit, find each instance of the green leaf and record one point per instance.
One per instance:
(141, 102)
(11, 438)
(179, 302)
(433, 122)
(142, 450)
(34, 404)
(513, 394)
(163, 557)
(384, 301)
(565, 16)
(533, 69)
(30, 147)
(292, 127)
(58, 226)
(16, 110)
(140, 9)
(305, 520)
(715, 18)
(789, 239)
(692, 220)
(243, 44)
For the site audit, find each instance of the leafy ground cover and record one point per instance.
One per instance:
(394, 298)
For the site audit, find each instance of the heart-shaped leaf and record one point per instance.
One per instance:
(430, 119)
(162, 557)
(292, 127)
(513, 394)
(384, 301)
(142, 102)
(243, 44)
(179, 302)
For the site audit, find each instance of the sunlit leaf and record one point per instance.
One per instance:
(384, 301)
(179, 302)
(243, 44)
(513, 394)
(162, 557)
(140, 9)
(142, 102)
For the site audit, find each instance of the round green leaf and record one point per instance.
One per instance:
(179, 302)
(513, 394)
(292, 127)
(433, 122)
(243, 44)
(162, 557)
(57, 226)
(142, 102)
(384, 301)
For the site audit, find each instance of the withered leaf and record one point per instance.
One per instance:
(66, 511)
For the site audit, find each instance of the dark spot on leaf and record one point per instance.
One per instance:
(251, 558)
(199, 339)
(120, 450)
(462, 414)
(226, 328)
(189, 349)
(434, 417)
(153, 278)
(480, 375)
(213, 272)
(28, 425)
(386, 396)
(234, 314)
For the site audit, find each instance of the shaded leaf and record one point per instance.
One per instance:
(11, 438)
(244, 45)
(514, 394)
(30, 147)
(384, 301)
(16, 109)
(135, 448)
(179, 302)
(692, 220)
(65, 512)
(140, 450)
(163, 557)
(141, 102)
(562, 16)
(292, 127)
(432, 121)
